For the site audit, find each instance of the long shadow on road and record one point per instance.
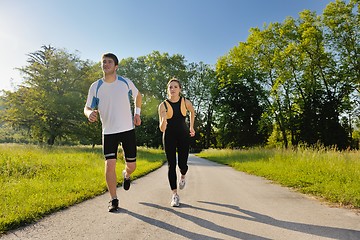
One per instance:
(205, 224)
(169, 227)
(323, 231)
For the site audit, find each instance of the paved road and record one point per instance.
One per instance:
(217, 203)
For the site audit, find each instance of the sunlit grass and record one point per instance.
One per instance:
(331, 175)
(36, 181)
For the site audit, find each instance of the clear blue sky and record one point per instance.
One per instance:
(200, 30)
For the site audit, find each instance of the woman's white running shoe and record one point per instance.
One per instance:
(182, 183)
(175, 200)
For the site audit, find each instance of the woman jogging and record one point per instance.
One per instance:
(176, 134)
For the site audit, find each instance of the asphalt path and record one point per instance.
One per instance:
(216, 203)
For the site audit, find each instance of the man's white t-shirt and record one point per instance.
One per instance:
(113, 103)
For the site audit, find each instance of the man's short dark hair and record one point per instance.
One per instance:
(112, 56)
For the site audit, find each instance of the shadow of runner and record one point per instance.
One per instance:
(169, 227)
(207, 224)
(323, 231)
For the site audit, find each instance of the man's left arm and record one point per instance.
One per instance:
(138, 102)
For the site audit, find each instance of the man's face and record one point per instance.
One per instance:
(108, 65)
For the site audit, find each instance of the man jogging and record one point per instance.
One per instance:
(110, 97)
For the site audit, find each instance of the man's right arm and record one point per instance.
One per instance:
(91, 114)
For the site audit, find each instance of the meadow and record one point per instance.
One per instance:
(330, 175)
(36, 181)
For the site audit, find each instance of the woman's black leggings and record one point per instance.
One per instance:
(176, 143)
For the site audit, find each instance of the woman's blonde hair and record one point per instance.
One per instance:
(174, 79)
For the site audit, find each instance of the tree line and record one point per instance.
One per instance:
(291, 83)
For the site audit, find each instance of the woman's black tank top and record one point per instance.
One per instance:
(177, 122)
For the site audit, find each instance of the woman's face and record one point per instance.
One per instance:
(174, 89)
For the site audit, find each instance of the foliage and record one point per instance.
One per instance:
(303, 74)
(290, 83)
(49, 103)
(239, 100)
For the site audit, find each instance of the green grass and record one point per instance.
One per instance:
(36, 181)
(331, 175)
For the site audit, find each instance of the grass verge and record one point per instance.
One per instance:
(37, 181)
(330, 175)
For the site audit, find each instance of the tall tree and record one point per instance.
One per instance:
(47, 103)
(342, 34)
(306, 73)
(239, 99)
(202, 86)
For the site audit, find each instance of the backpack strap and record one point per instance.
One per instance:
(120, 78)
(95, 100)
(98, 86)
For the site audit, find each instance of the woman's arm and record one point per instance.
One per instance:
(162, 117)
(191, 110)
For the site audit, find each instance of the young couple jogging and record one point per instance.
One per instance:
(110, 99)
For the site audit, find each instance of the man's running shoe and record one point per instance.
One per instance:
(175, 200)
(113, 205)
(182, 183)
(126, 182)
